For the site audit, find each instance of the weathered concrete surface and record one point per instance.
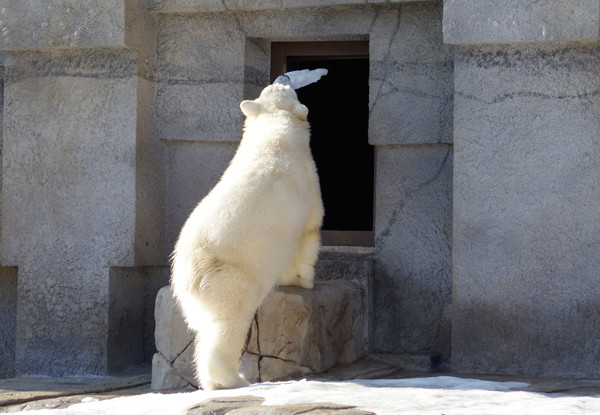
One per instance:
(22, 394)
(31, 24)
(413, 249)
(526, 196)
(410, 80)
(315, 329)
(8, 321)
(192, 170)
(172, 365)
(220, 5)
(516, 21)
(132, 294)
(150, 160)
(199, 86)
(68, 192)
(411, 69)
(355, 265)
(410, 103)
(296, 333)
(26, 394)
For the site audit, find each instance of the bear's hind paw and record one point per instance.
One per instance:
(232, 383)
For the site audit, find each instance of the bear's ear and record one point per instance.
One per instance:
(300, 111)
(250, 107)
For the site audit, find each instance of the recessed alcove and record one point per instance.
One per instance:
(339, 115)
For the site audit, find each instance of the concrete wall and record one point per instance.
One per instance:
(121, 116)
(82, 183)
(30, 24)
(68, 199)
(526, 296)
(197, 107)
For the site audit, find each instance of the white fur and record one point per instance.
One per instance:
(259, 226)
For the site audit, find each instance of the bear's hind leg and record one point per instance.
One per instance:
(217, 367)
(229, 299)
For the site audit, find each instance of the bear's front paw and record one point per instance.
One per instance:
(308, 284)
(301, 277)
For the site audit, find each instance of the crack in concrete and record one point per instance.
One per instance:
(180, 353)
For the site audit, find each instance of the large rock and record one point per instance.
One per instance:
(295, 333)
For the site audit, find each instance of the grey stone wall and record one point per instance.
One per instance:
(526, 210)
(83, 175)
(68, 199)
(119, 117)
(516, 21)
(199, 90)
(30, 24)
(220, 5)
(526, 196)
(413, 250)
(132, 295)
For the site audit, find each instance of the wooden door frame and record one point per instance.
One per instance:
(280, 51)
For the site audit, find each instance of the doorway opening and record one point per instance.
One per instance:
(338, 114)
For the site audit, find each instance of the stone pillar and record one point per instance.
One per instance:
(411, 125)
(77, 160)
(526, 194)
(68, 199)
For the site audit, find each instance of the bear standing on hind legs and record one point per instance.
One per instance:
(258, 227)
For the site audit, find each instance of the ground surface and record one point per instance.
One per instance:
(374, 385)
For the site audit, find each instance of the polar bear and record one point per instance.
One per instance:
(257, 228)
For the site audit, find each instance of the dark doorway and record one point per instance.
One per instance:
(338, 113)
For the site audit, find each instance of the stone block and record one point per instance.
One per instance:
(200, 86)
(172, 365)
(250, 367)
(342, 263)
(32, 24)
(516, 21)
(317, 329)
(171, 334)
(296, 332)
(526, 197)
(164, 376)
(257, 64)
(411, 71)
(125, 346)
(68, 167)
(206, 111)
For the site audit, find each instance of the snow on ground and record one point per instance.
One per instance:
(423, 396)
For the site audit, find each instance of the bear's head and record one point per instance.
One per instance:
(274, 98)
